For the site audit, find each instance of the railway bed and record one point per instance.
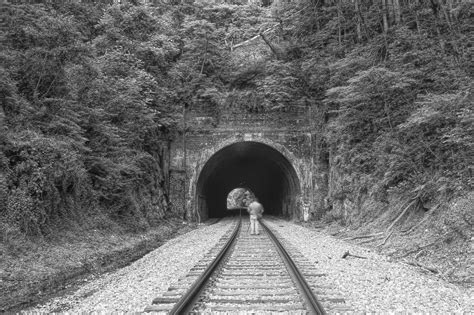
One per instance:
(247, 273)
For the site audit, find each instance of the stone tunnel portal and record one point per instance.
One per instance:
(260, 167)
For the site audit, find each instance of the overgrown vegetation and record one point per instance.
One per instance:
(91, 91)
(72, 147)
(91, 94)
(394, 81)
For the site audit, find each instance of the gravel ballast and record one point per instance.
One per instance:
(132, 288)
(375, 284)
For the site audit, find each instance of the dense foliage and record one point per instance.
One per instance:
(91, 93)
(90, 90)
(83, 110)
(395, 79)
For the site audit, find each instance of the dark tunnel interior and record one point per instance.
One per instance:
(257, 166)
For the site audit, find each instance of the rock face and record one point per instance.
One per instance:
(271, 154)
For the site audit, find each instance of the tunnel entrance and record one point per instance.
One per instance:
(254, 165)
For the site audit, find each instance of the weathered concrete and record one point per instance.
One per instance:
(273, 155)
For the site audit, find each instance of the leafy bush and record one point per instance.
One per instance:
(47, 181)
(80, 116)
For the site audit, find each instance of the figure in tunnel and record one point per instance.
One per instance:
(255, 210)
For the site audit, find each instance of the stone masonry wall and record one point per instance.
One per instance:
(287, 132)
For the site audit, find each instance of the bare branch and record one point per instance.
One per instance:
(252, 39)
(274, 50)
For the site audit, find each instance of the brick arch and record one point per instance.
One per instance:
(274, 164)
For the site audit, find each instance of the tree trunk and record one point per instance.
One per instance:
(339, 22)
(362, 19)
(417, 19)
(205, 55)
(384, 16)
(357, 9)
(185, 210)
(397, 11)
(390, 15)
(435, 7)
(317, 18)
(447, 12)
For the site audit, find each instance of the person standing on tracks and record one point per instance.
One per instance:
(255, 209)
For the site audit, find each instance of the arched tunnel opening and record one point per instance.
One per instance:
(257, 166)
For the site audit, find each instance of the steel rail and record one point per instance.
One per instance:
(313, 303)
(187, 300)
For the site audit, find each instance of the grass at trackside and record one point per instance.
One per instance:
(33, 270)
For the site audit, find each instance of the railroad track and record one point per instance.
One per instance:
(248, 273)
